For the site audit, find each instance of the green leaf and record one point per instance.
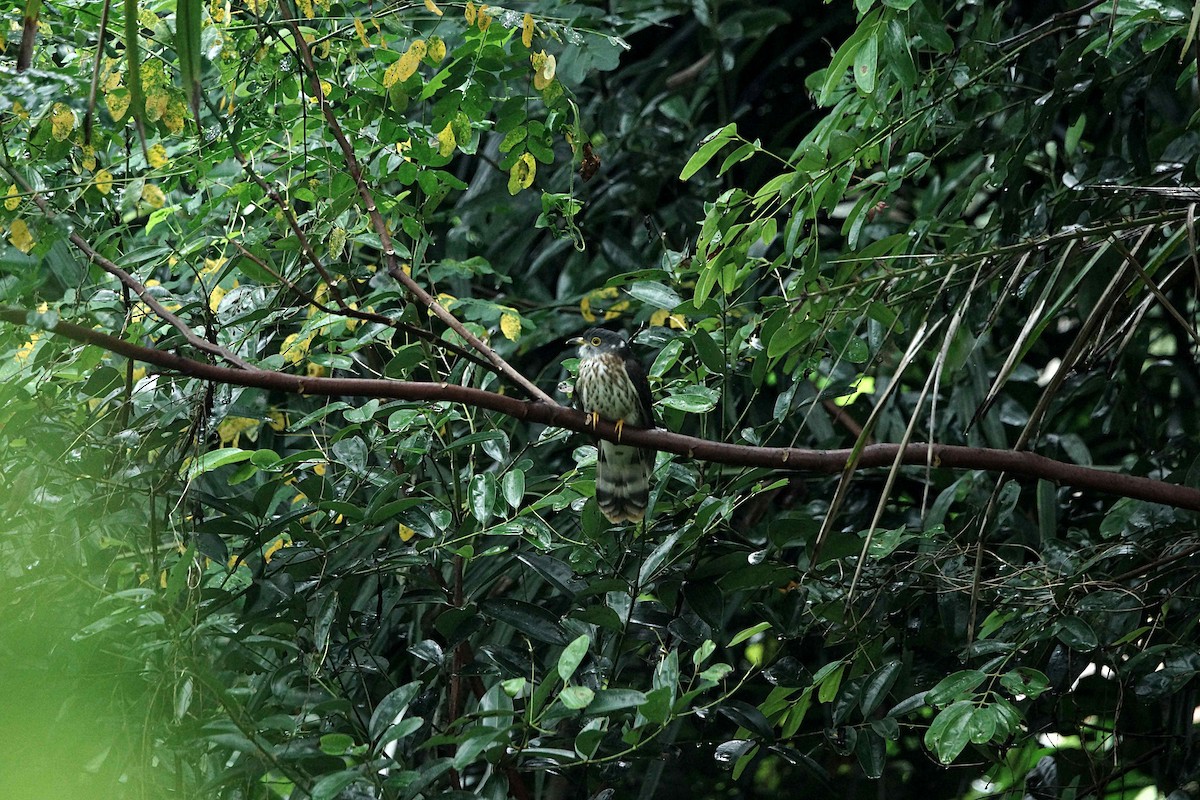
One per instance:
(692, 399)
(532, 620)
(876, 688)
(576, 697)
(866, 65)
(512, 486)
(214, 459)
(391, 707)
(571, 657)
(709, 147)
(1077, 634)
(607, 701)
(950, 731)
(482, 492)
(746, 633)
(955, 686)
(330, 786)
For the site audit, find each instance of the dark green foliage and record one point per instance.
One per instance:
(897, 221)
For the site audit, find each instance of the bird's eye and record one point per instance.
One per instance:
(595, 341)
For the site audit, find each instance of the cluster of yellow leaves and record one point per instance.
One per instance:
(141, 311)
(592, 306)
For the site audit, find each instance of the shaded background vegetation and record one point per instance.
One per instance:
(975, 227)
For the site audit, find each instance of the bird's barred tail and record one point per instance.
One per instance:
(623, 481)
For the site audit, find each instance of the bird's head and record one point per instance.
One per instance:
(597, 342)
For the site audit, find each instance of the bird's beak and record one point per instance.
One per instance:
(578, 340)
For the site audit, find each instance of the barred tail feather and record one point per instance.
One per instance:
(622, 481)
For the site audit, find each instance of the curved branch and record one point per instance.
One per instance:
(793, 459)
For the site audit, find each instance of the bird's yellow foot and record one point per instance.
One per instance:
(620, 426)
(593, 419)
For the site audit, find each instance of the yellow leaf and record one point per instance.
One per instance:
(157, 99)
(592, 305)
(510, 325)
(20, 236)
(118, 103)
(174, 115)
(314, 370)
(406, 532)
(104, 181)
(62, 121)
(276, 419)
(391, 75)
(662, 317)
(484, 19)
(275, 547)
(26, 350)
(89, 157)
(294, 349)
(13, 200)
(411, 59)
(306, 7)
(527, 30)
(153, 196)
(215, 298)
(437, 49)
(232, 428)
(157, 156)
(111, 74)
(361, 30)
(446, 140)
(521, 175)
(469, 12)
(433, 7)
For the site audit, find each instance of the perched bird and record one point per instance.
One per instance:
(612, 385)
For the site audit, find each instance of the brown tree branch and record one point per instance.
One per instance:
(385, 236)
(792, 459)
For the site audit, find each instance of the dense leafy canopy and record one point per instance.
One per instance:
(828, 226)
